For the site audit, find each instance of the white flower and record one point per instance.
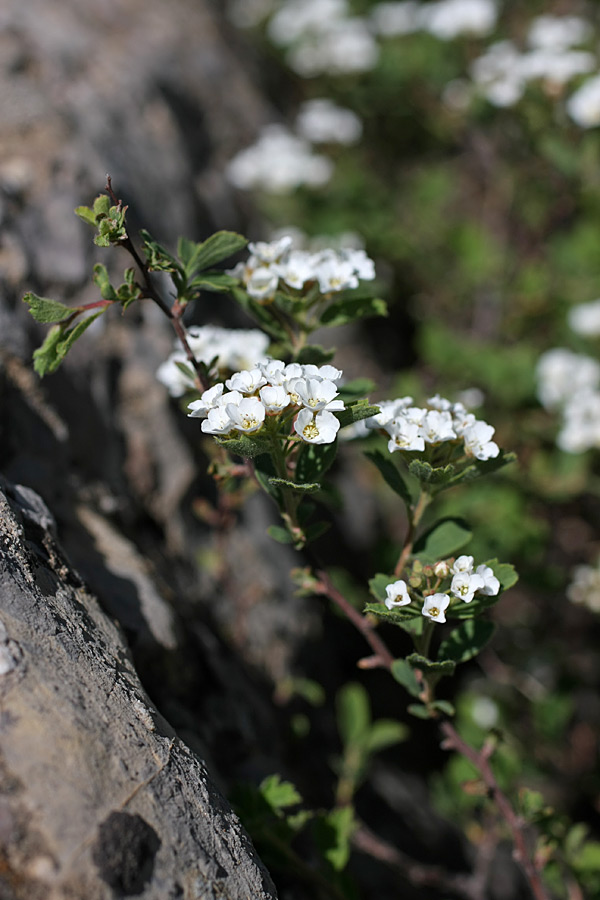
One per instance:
(246, 381)
(584, 105)
(297, 17)
(296, 269)
(404, 435)
(463, 564)
(395, 18)
(262, 283)
(278, 162)
(210, 399)
(491, 585)
(321, 121)
(363, 266)
(441, 569)
(319, 429)
(248, 415)
(345, 45)
(561, 374)
(272, 252)
(447, 19)
(388, 410)
(217, 421)
(478, 443)
(498, 74)
(437, 427)
(274, 371)
(334, 274)
(584, 590)
(440, 403)
(397, 594)
(316, 394)
(435, 606)
(464, 586)
(584, 319)
(174, 379)
(581, 425)
(558, 32)
(274, 398)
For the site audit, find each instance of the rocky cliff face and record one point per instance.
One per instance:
(98, 796)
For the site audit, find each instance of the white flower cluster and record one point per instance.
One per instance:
(464, 585)
(503, 72)
(278, 162)
(281, 161)
(234, 348)
(584, 589)
(275, 264)
(445, 19)
(307, 392)
(570, 382)
(411, 427)
(323, 37)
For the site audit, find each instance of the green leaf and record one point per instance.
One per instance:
(405, 675)
(332, 834)
(355, 412)
(45, 311)
(349, 309)
(444, 707)
(314, 460)
(466, 641)
(357, 388)
(216, 248)
(218, 282)
(588, 858)
(427, 473)
(102, 281)
(314, 531)
(390, 473)
(420, 711)
(88, 215)
(378, 584)
(353, 713)
(45, 358)
(385, 733)
(443, 667)
(442, 540)
(504, 572)
(69, 337)
(279, 794)
(397, 616)
(245, 446)
(101, 205)
(261, 315)
(303, 488)
(158, 257)
(279, 534)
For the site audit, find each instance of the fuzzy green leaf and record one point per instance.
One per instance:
(102, 281)
(390, 473)
(314, 355)
(442, 540)
(385, 733)
(69, 337)
(405, 675)
(245, 446)
(353, 713)
(355, 412)
(218, 282)
(279, 534)
(45, 310)
(279, 794)
(45, 358)
(466, 641)
(214, 249)
(303, 488)
(314, 460)
(88, 215)
(332, 833)
(441, 667)
(420, 711)
(349, 309)
(397, 616)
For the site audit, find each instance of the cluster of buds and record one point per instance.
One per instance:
(462, 583)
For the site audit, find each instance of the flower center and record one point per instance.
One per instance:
(310, 431)
(434, 611)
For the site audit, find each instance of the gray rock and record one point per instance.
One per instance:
(99, 798)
